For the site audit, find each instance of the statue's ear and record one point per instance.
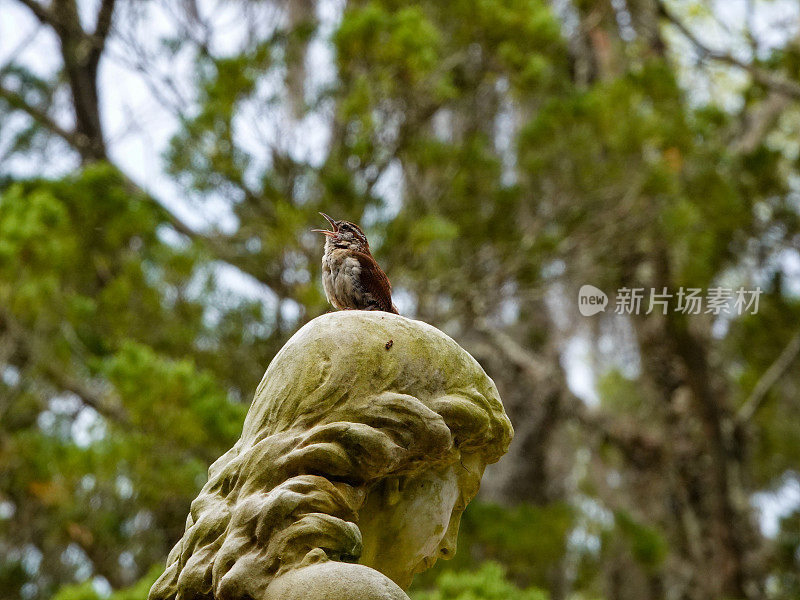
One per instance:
(391, 490)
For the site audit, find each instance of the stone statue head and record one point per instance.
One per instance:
(367, 437)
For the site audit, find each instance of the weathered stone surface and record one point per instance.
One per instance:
(367, 437)
(333, 580)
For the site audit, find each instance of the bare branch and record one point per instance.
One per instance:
(17, 101)
(763, 76)
(41, 13)
(770, 377)
(80, 144)
(515, 353)
(759, 121)
(176, 222)
(104, 18)
(215, 244)
(640, 448)
(104, 15)
(21, 47)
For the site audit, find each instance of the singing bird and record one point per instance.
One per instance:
(351, 277)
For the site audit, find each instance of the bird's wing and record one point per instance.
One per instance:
(375, 282)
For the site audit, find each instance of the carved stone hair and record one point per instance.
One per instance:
(339, 410)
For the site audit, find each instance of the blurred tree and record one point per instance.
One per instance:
(113, 401)
(500, 153)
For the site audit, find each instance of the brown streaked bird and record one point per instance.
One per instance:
(351, 277)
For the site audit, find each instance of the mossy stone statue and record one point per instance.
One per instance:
(366, 439)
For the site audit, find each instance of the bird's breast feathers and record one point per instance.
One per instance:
(341, 278)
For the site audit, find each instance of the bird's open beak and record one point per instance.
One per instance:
(325, 231)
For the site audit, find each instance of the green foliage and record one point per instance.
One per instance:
(487, 583)
(169, 397)
(205, 154)
(109, 421)
(87, 591)
(399, 47)
(787, 555)
(754, 344)
(647, 546)
(620, 394)
(528, 540)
